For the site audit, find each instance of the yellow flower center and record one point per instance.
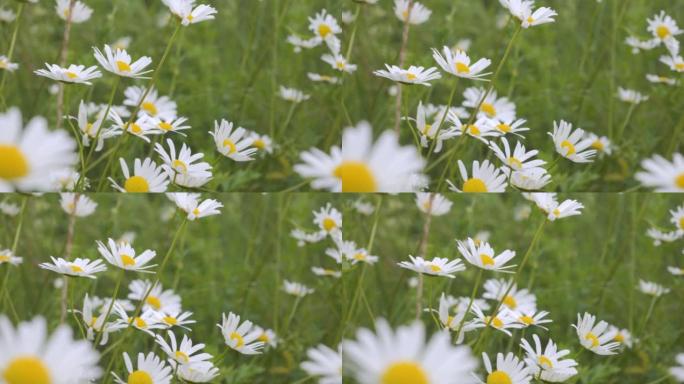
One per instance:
(136, 184)
(170, 320)
(196, 212)
(679, 181)
(182, 356)
(324, 30)
(499, 377)
(426, 129)
(679, 66)
(135, 129)
(165, 126)
(227, 143)
(13, 163)
(598, 145)
(93, 322)
(435, 268)
(264, 338)
(489, 109)
(4, 64)
(530, 20)
(340, 64)
(474, 185)
(462, 68)
(505, 128)
(356, 176)
(260, 144)
(404, 372)
(569, 148)
(180, 166)
(360, 256)
(473, 130)
(26, 370)
(329, 224)
(545, 361)
(594, 340)
(494, 321)
(620, 338)
(154, 302)
(411, 76)
(89, 128)
(486, 259)
(122, 66)
(510, 302)
(75, 268)
(127, 260)
(239, 341)
(527, 319)
(71, 75)
(140, 323)
(4, 258)
(515, 163)
(556, 212)
(190, 18)
(139, 377)
(405, 14)
(150, 108)
(663, 31)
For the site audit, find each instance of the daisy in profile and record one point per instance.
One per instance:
(676, 271)
(458, 64)
(339, 62)
(184, 168)
(661, 79)
(322, 78)
(519, 159)
(660, 237)
(147, 177)
(481, 129)
(601, 144)
(675, 62)
(77, 204)
(269, 337)
(509, 369)
(152, 105)
(240, 337)
(415, 13)
(188, 13)
(177, 318)
(436, 267)
(522, 9)
(150, 369)
(429, 132)
(324, 25)
(29, 355)
(502, 321)
(413, 75)
(530, 179)
(184, 352)
(96, 322)
(571, 144)
(233, 144)
(595, 337)
(298, 43)
(29, 155)
(548, 364)
(622, 336)
(319, 271)
(77, 268)
(486, 178)
(406, 354)
(124, 256)
(147, 321)
(360, 255)
(321, 168)
(8, 257)
(639, 45)
(165, 126)
(119, 62)
(452, 319)
(512, 298)
(512, 126)
(73, 74)
(482, 255)
(292, 95)
(7, 65)
(263, 143)
(77, 14)
(493, 107)
(433, 204)
(190, 203)
(662, 175)
(631, 96)
(204, 372)
(165, 301)
(296, 289)
(532, 319)
(677, 217)
(652, 289)
(95, 130)
(325, 363)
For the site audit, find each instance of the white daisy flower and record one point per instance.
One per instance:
(148, 321)
(142, 127)
(158, 299)
(416, 14)
(512, 126)
(458, 64)
(233, 144)
(29, 355)
(7, 15)
(97, 323)
(452, 319)
(622, 336)
(522, 9)
(509, 370)
(322, 78)
(339, 62)
(438, 266)
(76, 14)
(662, 175)
(639, 45)
(360, 255)
(413, 75)
(184, 168)
(631, 96)
(324, 25)
(678, 370)
(7, 65)
(123, 256)
(191, 204)
(77, 204)
(328, 219)
(652, 289)
(482, 255)
(296, 289)
(77, 268)
(152, 105)
(150, 369)
(240, 337)
(7, 256)
(663, 27)
(530, 179)
(318, 271)
(324, 363)
(268, 336)
(94, 130)
(433, 204)
(596, 338)
(73, 74)
(676, 271)
(601, 144)
(532, 319)
(188, 13)
(571, 144)
(204, 372)
(486, 178)
(177, 319)
(300, 43)
(119, 63)
(520, 159)
(660, 79)
(182, 353)
(675, 62)
(493, 107)
(66, 180)
(481, 129)
(292, 94)
(29, 155)
(502, 321)
(516, 300)
(263, 143)
(147, 177)
(164, 126)
(321, 168)
(548, 364)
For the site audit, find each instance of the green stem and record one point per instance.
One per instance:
(470, 302)
(444, 116)
(15, 242)
(109, 308)
(10, 53)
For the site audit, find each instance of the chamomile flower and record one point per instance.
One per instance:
(339, 62)
(571, 144)
(652, 289)
(233, 143)
(548, 364)
(406, 355)
(94, 130)
(486, 178)
(240, 337)
(119, 62)
(410, 76)
(324, 363)
(29, 155)
(73, 74)
(328, 219)
(509, 369)
(360, 255)
(268, 336)
(622, 336)
(676, 271)
(176, 318)
(436, 267)
(8, 257)
(97, 323)
(165, 301)
(492, 107)
(181, 353)
(191, 204)
(662, 175)
(507, 292)
(512, 126)
(77, 204)
(322, 78)
(152, 104)
(663, 27)
(188, 13)
(124, 256)
(639, 45)
(520, 159)
(318, 271)
(76, 14)
(433, 204)
(203, 372)
(296, 289)
(324, 25)
(411, 12)
(150, 369)
(292, 95)
(675, 62)
(7, 65)
(631, 96)
(184, 168)
(502, 321)
(164, 126)
(530, 179)
(458, 64)
(29, 355)
(595, 337)
(532, 319)
(77, 268)
(660, 79)
(482, 255)
(321, 168)
(147, 177)
(601, 144)
(678, 370)
(522, 9)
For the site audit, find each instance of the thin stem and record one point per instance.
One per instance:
(444, 116)
(625, 123)
(15, 242)
(67, 255)
(402, 58)
(10, 53)
(478, 279)
(651, 307)
(62, 61)
(292, 313)
(110, 306)
(419, 295)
